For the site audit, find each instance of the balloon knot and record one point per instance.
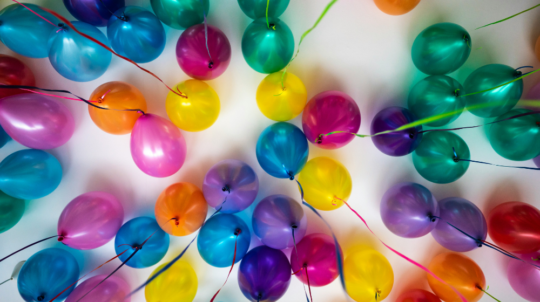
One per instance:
(41, 298)
(319, 139)
(124, 18)
(478, 243)
(226, 188)
(291, 175)
(432, 218)
(210, 64)
(456, 92)
(455, 156)
(176, 221)
(237, 232)
(412, 134)
(294, 226)
(61, 238)
(272, 26)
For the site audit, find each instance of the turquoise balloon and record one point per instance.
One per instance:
(436, 95)
(434, 158)
(4, 137)
(257, 8)
(441, 48)
(267, 50)
(11, 211)
(180, 14)
(24, 32)
(498, 101)
(516, 139)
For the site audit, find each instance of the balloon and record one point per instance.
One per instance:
(36, 121)
(133, 233)
(94, 12)
(24, 32)
(264, 275)
(14, 72)
(198, 111)
(181, 14)
(198, 61)
(525, 278)
(181, 209)
(230, 185)
(536, 161)
(441, 48)
(459, 271)
(114, 289)
(436, 95)
(157, 146)
(46, 274)
(326, 183)
(11, 211)
(77, 58)
(282, 150)
(417, 295)
(4, 137)
(176, 284)
(407, 210)
(368, 276)
(399, 7)
(327, 112)
(29, 174)
(515, 227)
(434, 157)
(266, 49)
(275, 219)
(257, 8)
(495, 102)
(281, 103)
(217, 239)
(396, 143)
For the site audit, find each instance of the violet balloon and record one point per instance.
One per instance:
(95, 12)
(525, 278)
(114, 289)
(398, 143)
(536, 161)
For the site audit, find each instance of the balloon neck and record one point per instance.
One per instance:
(211, 64)
(226, 188)
(377, 294)
(272, 26)
(291, 175)
(517, 73)
(319, 139)
(62, 26)
(432, 218)
(478, 243)
(61, 238)
(412, 134)
(456, 93)
(455, 157)
(124, 18)
(41, 298)
(237, 232)
(176, 221)
(294, 226)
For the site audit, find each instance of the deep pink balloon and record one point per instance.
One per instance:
(157, 146)
(525, 278)
(36, 121)
(113, 289)
(327, 112)
(417, 295)
(90, 220)
(192, 54)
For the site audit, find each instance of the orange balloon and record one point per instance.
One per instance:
(116, 95)
(396, 7)
(537, 49)
(181, 209)
(459, 271)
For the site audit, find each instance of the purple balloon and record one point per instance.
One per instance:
(465, 216)
(396, 143)
(536, 161)
(95, 12)
(114, 289)
(274, 220)
(36, 121)
(407, 210)
(264, 274)
(231, 185)
(196, 60)
(525, 278)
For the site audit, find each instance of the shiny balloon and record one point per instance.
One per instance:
(94, 12)
(177, 284)
(181, 14)
(11, 211)
(258, 8)
(114, 289)
(368, 275)
(417, 295)
(14, 72)
(524, 277)
(281, 103)
(396, 7)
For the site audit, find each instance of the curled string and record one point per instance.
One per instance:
(211, 64)
(485, 292)
(24, 248)
(457, 159)
(48, 21)
(298, 260)
(236, 233)
(502, 20)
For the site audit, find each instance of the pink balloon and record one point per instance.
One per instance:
(157, 146)
(417, 295)
(90, 220)
(525, 278)
(327, 112)
(36, 121)
(113, 289)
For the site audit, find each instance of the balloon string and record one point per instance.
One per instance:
(268, 23)
(308, 284)
(123, 18)
(24, 248)
(236, 233)
(37, 14)
(57, 96)
(298, 260)
(457, 159)
(485, 292)
(211, 64)
(504, 84)
(502, 20)
(6, 281)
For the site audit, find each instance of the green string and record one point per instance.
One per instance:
(485, 292)
(268, 23)
(489, 89)
(510, 16)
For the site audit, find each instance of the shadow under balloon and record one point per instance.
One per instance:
(316, 79)
(441, 191)
(503, 191)
(102, 181)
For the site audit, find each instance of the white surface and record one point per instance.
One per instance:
(356, 49)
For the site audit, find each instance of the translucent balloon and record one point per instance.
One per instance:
(368, 275)
(177, 284)
(14, 72)
(114, 289)
(524, 277)
(417, 295)
(11, 211)
(396, 7)
(181, 14)
(258, 8)
(281, 103)
(94, 12)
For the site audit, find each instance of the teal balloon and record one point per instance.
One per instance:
(518, 138)
(257, 8)
(441, 48)
(180, 14)
(267, 50)
(11, 211)
(436, 95)
(498, 101)
(24, 32)
(434, 158)
(4, 137)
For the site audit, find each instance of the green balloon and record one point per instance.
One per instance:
(11, 211)
(180, 14)
(516, 139)
(441, 48)
(434, 158)
(502, 99)
(257, 8)
(436, 95)
(267, 50)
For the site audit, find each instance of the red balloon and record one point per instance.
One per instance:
(417, 295)
(14, 72)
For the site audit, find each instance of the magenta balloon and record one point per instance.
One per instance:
(193, 57)
(157, 146)
(525, 278)
(113, 289)
(36, 121)
(90, 220)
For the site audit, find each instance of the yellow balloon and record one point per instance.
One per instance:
(368, 276)
(177, 284)
(280, 104)
(326, 183)
(196, 112)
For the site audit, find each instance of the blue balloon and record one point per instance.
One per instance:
(4, 137)
(77, 58)
(30, 174)
(94, 12)
(138, 34)
(217, 239)
(24, 32)
(282, 150)
(133, 233)
(46, 274)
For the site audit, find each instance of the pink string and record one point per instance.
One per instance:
(36, 14)
(57, 96)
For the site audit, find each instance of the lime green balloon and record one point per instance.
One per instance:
(498, 101)
(11, 211)
(265, 49)
(434, 158)
(436, 95)
(257, 8)
(180, 14)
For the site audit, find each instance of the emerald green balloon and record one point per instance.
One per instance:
(516, 139)
(257, 8)
(11, 211)
(434, 158)
(267, 50)
(436, 95)
(441, 48)
(498, 101)
(180, 14)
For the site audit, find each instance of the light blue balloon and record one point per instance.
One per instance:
(24, 32)
(30, 174)
(4, 137)
(138, 35)
(76, 57)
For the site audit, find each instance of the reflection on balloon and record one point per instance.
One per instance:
(399, 7)
(114, 289)
(181, 14)
(258, 8)
(281, 103)
(94, 12)
(417, 295)
(14, 72)
(177, 284)
(397, 143)
(11, 211)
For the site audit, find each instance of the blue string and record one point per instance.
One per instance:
(456, 159)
